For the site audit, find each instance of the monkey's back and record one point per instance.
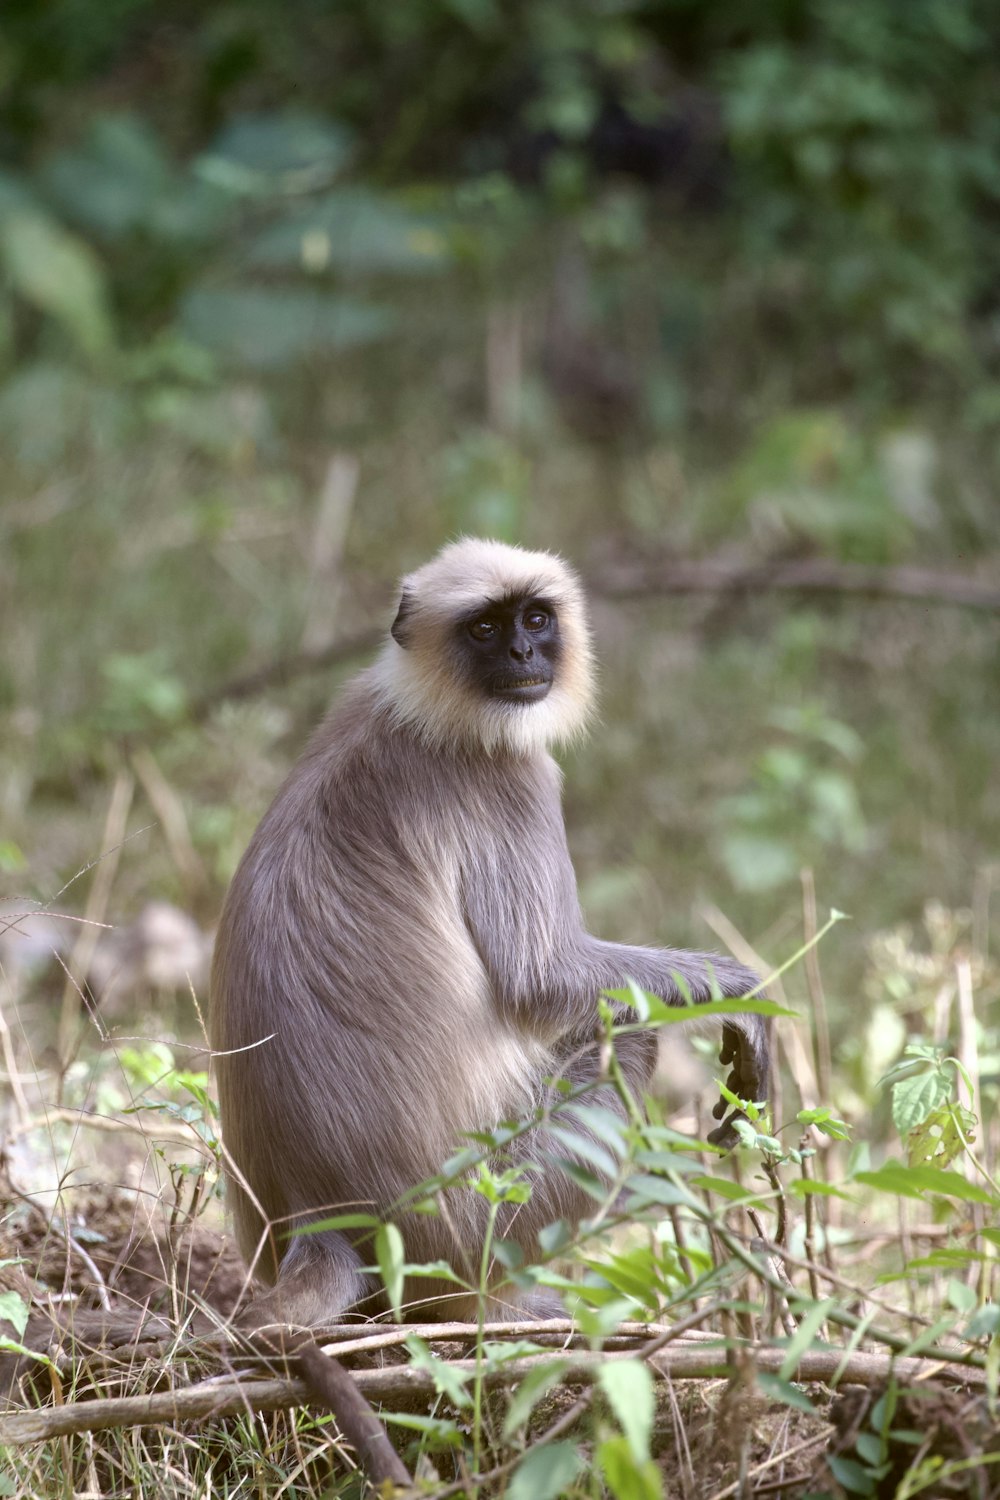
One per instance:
(342, 945)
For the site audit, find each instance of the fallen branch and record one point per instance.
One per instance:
(224, 1396)
(330, 1383)
(347, 1340)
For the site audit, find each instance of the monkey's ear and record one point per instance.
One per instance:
(398, 629)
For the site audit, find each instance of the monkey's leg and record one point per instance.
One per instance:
(555, 1195)
(319, 1278)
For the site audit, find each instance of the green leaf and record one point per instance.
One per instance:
(269, 328)
(341, 1221)
(755, 862)
(581, 1146)
(447, 1380)
(928, 1336)
(627, 1477)
(390, 1256)
(606, 1311)
(676, 1015)
(259, 152)
(633, 1272)
(670, 1161)
(852, 1476)
(725, 1188)
(644, 1189)
(961, 1297)
(546, 1472)
(532, 1388)
(437, 1270)
(58, 274)
(12, 1346)
(942, 1137)
(628, 1386)
(869, 1447)
(594, 1186)
(985, 1323)
(110, 182)
(603, 1123)
(14, 1310)
(946, 1257)
(11, 856)
(826, 1121)
(782, 1390)
(882, 1413)
(553, 1237)
(438, 1432)
(352, 231)
(497, 1352)
(914, 1182)
(806, 1187)
(915, 1098)
(805, 1336)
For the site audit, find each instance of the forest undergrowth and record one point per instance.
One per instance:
(813, 1314)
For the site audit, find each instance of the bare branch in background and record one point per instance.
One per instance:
(811, 575)
(638, 580)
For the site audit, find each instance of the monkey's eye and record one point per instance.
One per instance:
(536, 619)
(483, 630)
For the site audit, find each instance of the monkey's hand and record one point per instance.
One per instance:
(748, 1053)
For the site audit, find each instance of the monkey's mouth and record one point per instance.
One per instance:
(521, 689)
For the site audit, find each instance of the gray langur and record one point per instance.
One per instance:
(402, 957)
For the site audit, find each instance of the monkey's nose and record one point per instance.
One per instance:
(522, 653)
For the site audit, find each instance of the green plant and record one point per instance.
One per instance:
(803, 798)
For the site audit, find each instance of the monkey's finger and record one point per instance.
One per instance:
(746, 1081)
(726, 1134)
(737, 1084)
(719, 1110)
(733, 1042)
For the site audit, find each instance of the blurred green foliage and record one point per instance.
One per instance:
(652, 276)
(853, 151)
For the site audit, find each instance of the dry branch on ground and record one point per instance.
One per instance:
(233, 1392)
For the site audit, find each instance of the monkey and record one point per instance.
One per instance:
(402, 959)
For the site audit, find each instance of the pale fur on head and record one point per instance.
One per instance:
(418, 683)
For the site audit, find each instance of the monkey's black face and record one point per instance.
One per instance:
(511, 648)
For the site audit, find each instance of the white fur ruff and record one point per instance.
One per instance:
(417, 681)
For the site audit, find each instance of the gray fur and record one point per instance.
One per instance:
(405, 922)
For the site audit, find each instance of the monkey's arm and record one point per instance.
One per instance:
(546, 971)
(745, 1042)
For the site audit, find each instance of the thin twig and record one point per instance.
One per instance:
(153, 1129)
(97, 903)
(769, 1463)
(169, 810)
(814, 984)
(763, 1246)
